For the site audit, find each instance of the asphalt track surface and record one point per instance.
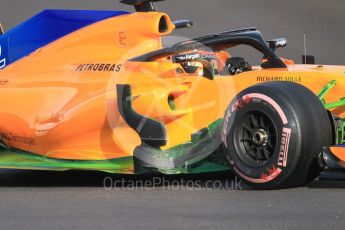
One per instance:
(78, 200)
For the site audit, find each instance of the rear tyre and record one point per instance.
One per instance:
(273, 133)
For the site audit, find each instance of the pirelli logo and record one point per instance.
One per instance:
(284, 147)
(99, 67)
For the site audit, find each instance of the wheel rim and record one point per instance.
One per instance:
(256, 138)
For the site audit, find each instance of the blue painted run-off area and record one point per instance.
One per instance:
(44, 28)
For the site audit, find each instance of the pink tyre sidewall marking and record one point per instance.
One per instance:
(283, 155)
(272, 103)
(264, 179)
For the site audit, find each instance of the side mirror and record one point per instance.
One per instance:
(277, 43)
(181, 24)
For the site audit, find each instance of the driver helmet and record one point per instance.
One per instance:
(190, 64)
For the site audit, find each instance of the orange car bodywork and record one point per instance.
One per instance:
(61, 102)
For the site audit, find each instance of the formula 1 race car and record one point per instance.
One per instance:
(97, 90)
